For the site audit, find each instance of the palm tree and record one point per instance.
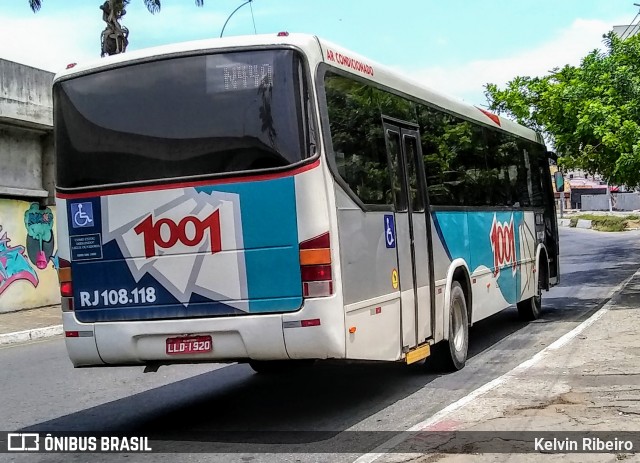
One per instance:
(35, 5)
(114, 38)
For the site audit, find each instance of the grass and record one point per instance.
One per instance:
(608, 223)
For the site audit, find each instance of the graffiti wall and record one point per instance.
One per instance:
(28, 256)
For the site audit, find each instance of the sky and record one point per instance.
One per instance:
(454, 46)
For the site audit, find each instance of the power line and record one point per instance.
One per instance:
(622, 36)
(253, 18)
(234, 12)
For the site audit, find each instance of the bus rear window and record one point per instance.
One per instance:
(181, 117)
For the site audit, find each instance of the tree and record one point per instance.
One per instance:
(590, 113)
(114, 38)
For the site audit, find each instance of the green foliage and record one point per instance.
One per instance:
(590, 113)
(608, 223)
(152, 5)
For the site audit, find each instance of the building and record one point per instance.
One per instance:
(626, 31)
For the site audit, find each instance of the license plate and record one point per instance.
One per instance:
(189, 345)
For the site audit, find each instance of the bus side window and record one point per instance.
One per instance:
(357, 139)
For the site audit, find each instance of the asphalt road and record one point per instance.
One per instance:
(182, 405)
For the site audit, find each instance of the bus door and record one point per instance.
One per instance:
(411, 227)
(550, 221)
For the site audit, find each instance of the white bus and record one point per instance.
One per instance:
(277, 199)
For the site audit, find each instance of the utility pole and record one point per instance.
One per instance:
(561, 204)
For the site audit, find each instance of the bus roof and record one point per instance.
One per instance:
(317, 50)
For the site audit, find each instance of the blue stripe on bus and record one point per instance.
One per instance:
(436, 224)
(467, 235)
(270, 236)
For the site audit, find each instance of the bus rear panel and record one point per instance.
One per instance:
(180, 186)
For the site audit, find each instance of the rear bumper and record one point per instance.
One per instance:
(259, 337)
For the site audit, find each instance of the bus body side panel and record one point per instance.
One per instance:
(528, 250)
(372, 304)
(499, 248)
(315, 202)
(441, 263)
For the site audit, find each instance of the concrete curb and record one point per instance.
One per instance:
(30, 335)
(583, 223)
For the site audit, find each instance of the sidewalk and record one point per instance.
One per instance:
(26, 325)
(588, 380)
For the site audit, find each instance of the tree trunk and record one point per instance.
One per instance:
(114, 36)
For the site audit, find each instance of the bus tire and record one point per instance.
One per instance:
(531, 309)
(276, 367)
(451, 355)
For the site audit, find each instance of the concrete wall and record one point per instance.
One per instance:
(26, 124)
(25, 95)
(626, 201)
(28, 256)
(619, 202)
(594, 203)
(578, 193)
(21, 158)
(28, 262)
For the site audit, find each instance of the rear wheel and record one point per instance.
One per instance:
(531, 309)
(451, 355)
(275, 367)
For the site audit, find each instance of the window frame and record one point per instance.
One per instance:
(327, 142)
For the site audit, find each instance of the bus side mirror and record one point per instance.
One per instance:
(553, 156)
(559, 179)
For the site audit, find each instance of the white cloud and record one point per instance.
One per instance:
(467, 80)
(50, 43)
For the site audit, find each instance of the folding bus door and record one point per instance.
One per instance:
(411, 223)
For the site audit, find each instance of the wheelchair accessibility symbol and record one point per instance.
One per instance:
(82, 215)
(389, 231)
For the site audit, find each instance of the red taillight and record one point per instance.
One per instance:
(283, 34)
(312, 322)
(66, 289)
(319, 242)
(72, 334)
(64, 277)
(316, 272)
(315, 266)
